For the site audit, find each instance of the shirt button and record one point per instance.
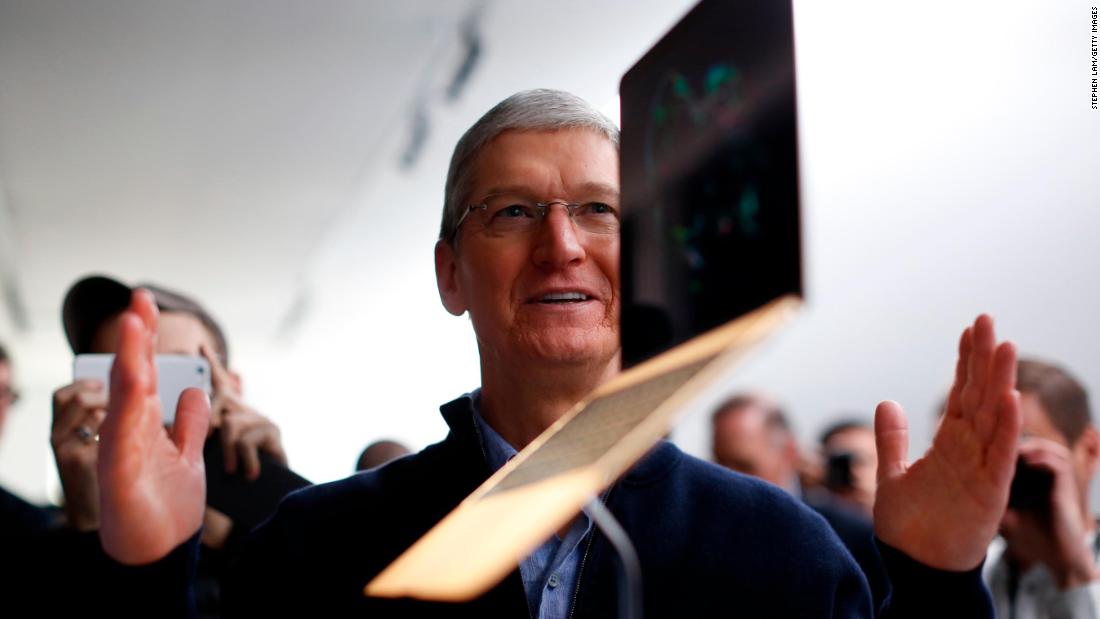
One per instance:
(554, 581)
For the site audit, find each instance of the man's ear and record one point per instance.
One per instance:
(238, 384)
(1089, 446)
(446, 278)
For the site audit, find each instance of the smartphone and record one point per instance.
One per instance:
(838, 471)
(174, 374)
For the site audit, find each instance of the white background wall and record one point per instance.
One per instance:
(951, 165)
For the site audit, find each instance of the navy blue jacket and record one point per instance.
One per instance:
(711, 543)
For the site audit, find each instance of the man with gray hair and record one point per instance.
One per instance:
(529, 247)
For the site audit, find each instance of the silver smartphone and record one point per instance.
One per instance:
(174, 374)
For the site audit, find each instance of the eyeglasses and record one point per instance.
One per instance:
(9, 395)
(508, 215)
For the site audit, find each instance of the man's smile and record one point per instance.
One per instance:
(562, 295)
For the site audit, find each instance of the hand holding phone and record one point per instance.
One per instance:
(79, 409)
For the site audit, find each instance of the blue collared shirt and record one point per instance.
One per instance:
(550, 573)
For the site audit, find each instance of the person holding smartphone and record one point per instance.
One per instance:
(91, 313)
(848, 447)
(1044, 565)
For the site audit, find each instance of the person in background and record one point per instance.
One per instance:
(91, 313)
(850, 462)
(380, 452)
(751, 435)
(18, 518)
(1044, 565)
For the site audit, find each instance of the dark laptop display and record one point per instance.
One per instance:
(709, 175)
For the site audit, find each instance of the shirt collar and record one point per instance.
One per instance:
(497, 450)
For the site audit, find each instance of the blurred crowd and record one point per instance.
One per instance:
(1044, 561)
(57, 543)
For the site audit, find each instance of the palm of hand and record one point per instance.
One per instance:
(152, 484)
(944, 509)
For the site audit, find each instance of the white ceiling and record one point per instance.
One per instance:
(209, 145)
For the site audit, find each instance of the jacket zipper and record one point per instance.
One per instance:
(584, 561)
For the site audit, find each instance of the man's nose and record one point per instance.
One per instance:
(558, 243)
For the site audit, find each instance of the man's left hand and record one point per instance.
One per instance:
(944, 509)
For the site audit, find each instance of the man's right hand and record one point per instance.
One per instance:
(152, 483)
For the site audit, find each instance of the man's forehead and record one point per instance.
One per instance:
(183, 331)
(1036, 419)
(579, 160)
(586, 187)
(747, 415)
(854, 432)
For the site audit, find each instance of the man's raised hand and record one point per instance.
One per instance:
(152, 482)
(944, 509)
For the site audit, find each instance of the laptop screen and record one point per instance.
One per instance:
(710, 190)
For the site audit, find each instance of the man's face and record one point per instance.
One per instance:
(178, 333)
(503, 281)
(860, 442)
(1037, 423)
(744, 442)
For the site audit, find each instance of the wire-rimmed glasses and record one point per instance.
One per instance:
(511, 215)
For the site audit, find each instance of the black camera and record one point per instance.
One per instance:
(1030, 488)
(838, 470)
